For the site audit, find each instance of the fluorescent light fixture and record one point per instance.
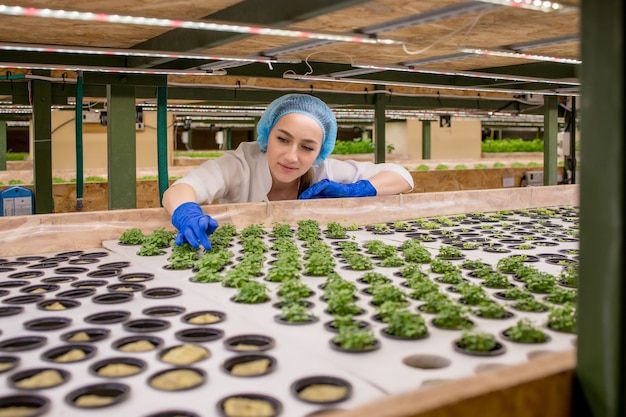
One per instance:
(215, 26)
(298, 77)
(521, 55)
(470, 74)
(121, 70)
(541, 5)
(10, 46)
(444, 13)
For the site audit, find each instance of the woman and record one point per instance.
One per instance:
(296, 133)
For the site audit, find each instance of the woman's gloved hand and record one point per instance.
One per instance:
(331, 189)
(194, 227)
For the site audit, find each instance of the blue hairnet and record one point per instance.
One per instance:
(305, 104)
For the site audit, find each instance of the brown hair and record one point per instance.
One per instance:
(306, 180)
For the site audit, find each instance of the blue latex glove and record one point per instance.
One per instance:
(194, 227)
(331, 189)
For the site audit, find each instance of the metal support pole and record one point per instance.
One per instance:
(550, 140)
(601, 363)
(42, 143)
(79, 141)
(3, 145)
(572, 142)
(426, 129)
(121, 147)
(162, 140)
(379, 126)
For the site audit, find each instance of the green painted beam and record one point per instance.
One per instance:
(426, 136)
(162, 161)
(121, 147)
(379, 127)
(550, 132)
(601, 362)
(3, 145)
(126, 79)
(42, 144)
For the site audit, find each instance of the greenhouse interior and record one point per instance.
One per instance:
(493, 286)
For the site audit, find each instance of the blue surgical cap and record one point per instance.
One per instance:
(305, 104)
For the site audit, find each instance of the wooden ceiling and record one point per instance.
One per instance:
(432, 31)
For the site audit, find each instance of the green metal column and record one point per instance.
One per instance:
(121, 147)
(42, 143)
(78, 123)
(3, 145)
(572, 142)
(229, 135)
(550, 132)
(601, 347)
(379, 126)
(426, 139)
(162, 140)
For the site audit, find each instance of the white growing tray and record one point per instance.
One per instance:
(300, 350)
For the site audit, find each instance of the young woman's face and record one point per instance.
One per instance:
(293, 144)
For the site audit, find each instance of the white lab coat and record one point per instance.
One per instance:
(243, 175)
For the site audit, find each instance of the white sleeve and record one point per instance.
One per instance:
(219, 179)
(350, 171)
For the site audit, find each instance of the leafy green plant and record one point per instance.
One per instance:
(496, 280)
(359, 262)
(422, 167)
(562, 296)
(499, 165)
(460, 166)
(529, 304)
(132, 236)
(283, 274)
(355, 146)
(473, 295)
(296, 313)
(476, 341)
(403, 323)
(516, 293)
(452, 317)
(441, 167)
(448, 251)
(569, 275)
(374, 278)
(293, 290)
(480, 166)
(492, 311)
(387, 292)
(563, 318)
(182, 256)
(524, 331)
(252, 292)
(392, 261)
(507, 145)
(150, 248)
(335, 230)
(441, 266)
(160, 237)
(351, 339)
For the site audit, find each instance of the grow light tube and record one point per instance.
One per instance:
(297, 77)
(120, 70)
(215, 26)
(521, 55)
(9, 46)
(540, 5)
(470, 74)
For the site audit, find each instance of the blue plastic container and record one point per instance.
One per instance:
(17, 201)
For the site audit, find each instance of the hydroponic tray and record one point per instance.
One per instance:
(156, 304)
